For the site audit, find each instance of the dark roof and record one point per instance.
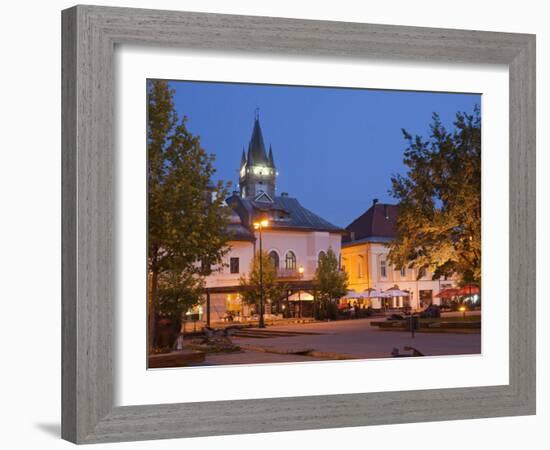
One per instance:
(301, 217)
(289, 212)
(379, 222)
(239, 232)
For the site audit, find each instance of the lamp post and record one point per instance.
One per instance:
(301, 272)
(258, 226)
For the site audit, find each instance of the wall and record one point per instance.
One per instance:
(305, 245)
(243, 250)
(30, 225)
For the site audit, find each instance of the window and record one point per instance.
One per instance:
(383, 271)
(290, 260)
(360, 266)
(274, 258)
(403, 272)
(234, 265)
(421, 272)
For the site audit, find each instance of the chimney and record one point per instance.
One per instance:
(374, 201)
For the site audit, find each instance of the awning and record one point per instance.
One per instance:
(448, 293)
(469, 289)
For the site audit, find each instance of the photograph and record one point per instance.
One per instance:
(293, 224)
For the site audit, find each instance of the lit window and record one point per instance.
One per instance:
(290, 260)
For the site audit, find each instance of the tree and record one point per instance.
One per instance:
(439, 220)
(186, 217)
(250, 291)
(329, 283)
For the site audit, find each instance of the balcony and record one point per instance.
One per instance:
(293, 274)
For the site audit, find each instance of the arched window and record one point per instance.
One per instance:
(290, 260)
(274, 258)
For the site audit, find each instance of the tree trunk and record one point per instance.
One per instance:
(153, 301)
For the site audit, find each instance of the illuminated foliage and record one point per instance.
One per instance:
(330, 284)
(439, 221)
(250, 285)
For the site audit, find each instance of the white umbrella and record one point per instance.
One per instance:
(301, 296)
(394, 292)
(353, 294)
(373, 293)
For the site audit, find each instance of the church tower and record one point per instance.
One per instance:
(257, 171)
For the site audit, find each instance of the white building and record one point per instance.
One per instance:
(294, 238)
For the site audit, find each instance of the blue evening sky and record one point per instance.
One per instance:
(335, 149)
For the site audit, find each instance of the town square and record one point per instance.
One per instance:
(245, 273)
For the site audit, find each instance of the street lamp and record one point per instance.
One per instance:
(258, 226)
(463, 310)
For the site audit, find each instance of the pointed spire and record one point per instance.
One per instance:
(243, 159)
(256, 147)
(271, 162)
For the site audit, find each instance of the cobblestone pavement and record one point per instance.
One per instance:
(349, 338)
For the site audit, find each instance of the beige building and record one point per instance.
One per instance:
(365, 259)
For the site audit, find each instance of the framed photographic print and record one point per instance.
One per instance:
(278, 224)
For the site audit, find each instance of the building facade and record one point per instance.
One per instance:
(365, 259)
(294, 236)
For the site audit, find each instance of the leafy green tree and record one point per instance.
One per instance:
(250, 285)
(439, 220)
(330, 283)
(186, 217)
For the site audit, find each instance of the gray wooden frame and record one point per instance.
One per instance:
(89, 37)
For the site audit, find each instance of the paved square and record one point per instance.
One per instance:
(348, 339)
